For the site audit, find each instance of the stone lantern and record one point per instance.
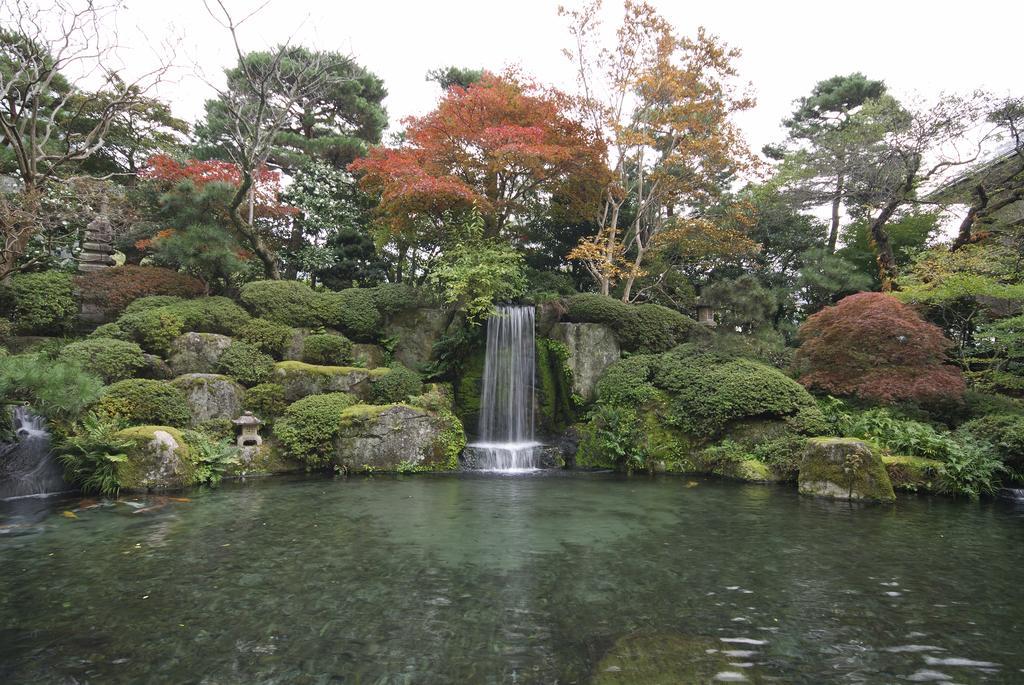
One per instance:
(248, 430)
(97, 252)
(705, 314)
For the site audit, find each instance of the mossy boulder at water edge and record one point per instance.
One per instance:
(301, 380)
(210, 396)
(844, 468)
(197, 353)
(912, 474)
(158, 459)
(397, 437)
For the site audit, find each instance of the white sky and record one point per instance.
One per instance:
(916, 46)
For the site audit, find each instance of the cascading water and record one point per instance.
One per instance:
(28, 466)
(506, 441)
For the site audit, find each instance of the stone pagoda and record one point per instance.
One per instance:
(97, 249)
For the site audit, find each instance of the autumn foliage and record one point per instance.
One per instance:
(267, 182)
(114, 289)
(874, 347)
(496, 145)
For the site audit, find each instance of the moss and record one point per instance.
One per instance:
(554, 385)
(320, 370)
(468, 387)
(449, 444)
(912, 474)
(639, 328)
(845, 468)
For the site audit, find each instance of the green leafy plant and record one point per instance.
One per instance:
(309, 426)
(54, 389)
(267, 336)
(397, 385)
(476, 274)
(213, 458)
(972, 471)
(93, 453)
(43, 303)
(265, 400)
(901, 436)
(327, 349)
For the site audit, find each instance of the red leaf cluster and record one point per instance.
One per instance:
(494, 145)
(114, 289)
(266, 182)
(874, 347)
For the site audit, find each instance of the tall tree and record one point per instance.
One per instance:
(60, 94)
(498, 146)
(666, 105)
(826, 140)
(449, 76)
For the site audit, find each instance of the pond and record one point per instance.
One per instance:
(469, 578)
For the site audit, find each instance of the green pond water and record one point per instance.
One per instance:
(558, 578)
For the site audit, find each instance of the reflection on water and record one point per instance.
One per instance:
(484, 579)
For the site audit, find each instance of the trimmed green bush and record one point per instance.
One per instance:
(151, 302)
(397, 385)
(354, 312)
(43, 303)
(210, 315)
(113, 360)
(246, 364)
(265, 400)
(391, 298)
(112, 330)
(153, 329)
(139, 401)
(292, 303)
(267, 336)
(327, 349)
(643, 328)
(309, 426)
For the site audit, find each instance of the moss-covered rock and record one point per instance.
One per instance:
(912, 474)
(591, 348)
(844, 468)
(553, 390)
(301, 380)
(468, 388)
(210, 396)
(415, 332)
(159, 459)
(368, 355)
(197, 353)
(397, 438)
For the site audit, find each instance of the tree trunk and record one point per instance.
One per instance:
(248, 230)
(884, 256)
(833, 231)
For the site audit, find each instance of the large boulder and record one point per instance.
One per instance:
(844, 468)
(301, 380)
(369, 356)
(210, 396)
(397, 437)
(298, 342)
(415, 332)
(158, 460)
(593, 347)
(197, 352)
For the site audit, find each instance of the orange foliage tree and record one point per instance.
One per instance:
(666, 105)
(498, 146)
(874, 347)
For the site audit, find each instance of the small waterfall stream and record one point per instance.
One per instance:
(506, 438)
(28, 466)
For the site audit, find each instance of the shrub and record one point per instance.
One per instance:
(397, 385)
(972, 471)
(646, 328)
(43, 303)
(112, 360)
(210, 315)
(245, 363)
(391, 298)
(613, 439)
(151, 302)
(900, 436)
(54, 389)
(267, 336)
(218, 429)
(112, 290)
(874, 347)
(6, 328)
(265, 400)
(628, 381)
(1003, 432)
(112, 330)
(92, 454)
(144, 402)
(153, 329)
(309, 426)
(292, 303)
(327, 349)
(353, 311)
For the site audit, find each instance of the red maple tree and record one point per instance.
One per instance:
(874, 347)
(496, 145)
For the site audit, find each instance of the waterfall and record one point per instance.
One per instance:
(505, 435)
(28, 466)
